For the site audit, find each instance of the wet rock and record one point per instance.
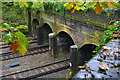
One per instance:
(110, 57)
(112, 74)
(83, 74)
(99, 75)
(93, 64)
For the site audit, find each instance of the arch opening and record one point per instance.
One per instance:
(64, 41)
(35, 23)
(86, 53)
(46, 29)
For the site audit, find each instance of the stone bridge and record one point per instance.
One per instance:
(80, 32)
(61, 32)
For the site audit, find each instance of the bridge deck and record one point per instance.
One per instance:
(110, 57)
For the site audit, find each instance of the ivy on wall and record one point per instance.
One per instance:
(113, 31)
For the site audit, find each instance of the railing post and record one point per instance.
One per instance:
(53, 44)
(74, 59)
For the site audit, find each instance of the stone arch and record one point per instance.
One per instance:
(35, 24)
(64, 41)
(69, 33)
(86, 53)
(44, 32)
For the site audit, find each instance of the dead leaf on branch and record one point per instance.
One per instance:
(98, 8)
(103, 66)
(14, 50)
(13, 47)
(110, 4)
(72, 10)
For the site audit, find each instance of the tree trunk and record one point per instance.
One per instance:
(29, 22)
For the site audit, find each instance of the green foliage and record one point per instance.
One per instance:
(16, 39)
(69, 75)
(15, 34)
(23, 4)
(113, 28)
(14, 15)
(12, 29)
(28, 4)
(59, 7)
(38, 6)
(21, 27)
(108, 34)
(98, 7)
(100, 60)
(54, 6)
(6, 25)
(118, 23)
(22, 38)
(7, 38)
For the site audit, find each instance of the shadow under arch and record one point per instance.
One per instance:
(44, 34)
(35, 24)
(86, 53)
(64, 41)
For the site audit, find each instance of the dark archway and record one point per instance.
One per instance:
(35, 24)
(64, 41)
(46, 29)
(86, 53)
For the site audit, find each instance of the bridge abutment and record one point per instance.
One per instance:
(53, 45)
(73, 59)
(79, 56)
(39, 35)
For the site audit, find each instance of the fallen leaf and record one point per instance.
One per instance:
(114, 35)
(86, 67)
(118, 48)
(103, 66)
(81, 66)
(88, 71)
(106, 48)
(104, 43)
